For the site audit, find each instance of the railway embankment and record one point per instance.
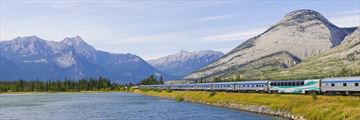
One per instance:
(297, 107)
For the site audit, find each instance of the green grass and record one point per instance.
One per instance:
(312, 107)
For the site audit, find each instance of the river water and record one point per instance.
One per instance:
(111, 106)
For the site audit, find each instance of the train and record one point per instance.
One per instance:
(335, 85)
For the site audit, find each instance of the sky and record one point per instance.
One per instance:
(151, 29)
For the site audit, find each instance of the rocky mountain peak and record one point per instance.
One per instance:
(27, 39)
(303, 15)
(73, 41)
(183, 52)
(79, 45)
(184, 62)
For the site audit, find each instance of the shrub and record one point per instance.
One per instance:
(314, 96)
(145, 90)
(212, 94)
(157, 90)
(169, 90)
(179, 98)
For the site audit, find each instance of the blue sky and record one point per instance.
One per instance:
(158, 28)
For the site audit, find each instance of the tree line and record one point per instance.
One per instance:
(152, 80)
(66, 85)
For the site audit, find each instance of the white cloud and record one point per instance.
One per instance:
(217, 17)
(350, 12)
(239, 35)
(144, 39)
(346, 18)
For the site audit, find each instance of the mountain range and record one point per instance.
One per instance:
(33, 58)
(300, 35)
(183, 63)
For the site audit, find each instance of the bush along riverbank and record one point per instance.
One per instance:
(297, 107)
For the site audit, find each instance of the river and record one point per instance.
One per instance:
(111, 106)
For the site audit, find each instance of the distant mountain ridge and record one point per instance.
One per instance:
(299, 35)
(33, 58)
(184, 62)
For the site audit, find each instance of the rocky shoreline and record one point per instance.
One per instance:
(242, 107)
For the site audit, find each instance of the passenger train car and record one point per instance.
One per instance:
(337, 85)
(345, 85)
(295, 86)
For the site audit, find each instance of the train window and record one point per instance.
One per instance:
(293, 83)
(344, 84)
(356, 84)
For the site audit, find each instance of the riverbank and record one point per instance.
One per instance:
(298, 107)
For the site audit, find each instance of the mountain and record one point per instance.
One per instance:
(342, 60)
(33, 58)
(184, 62)
(299, 35)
